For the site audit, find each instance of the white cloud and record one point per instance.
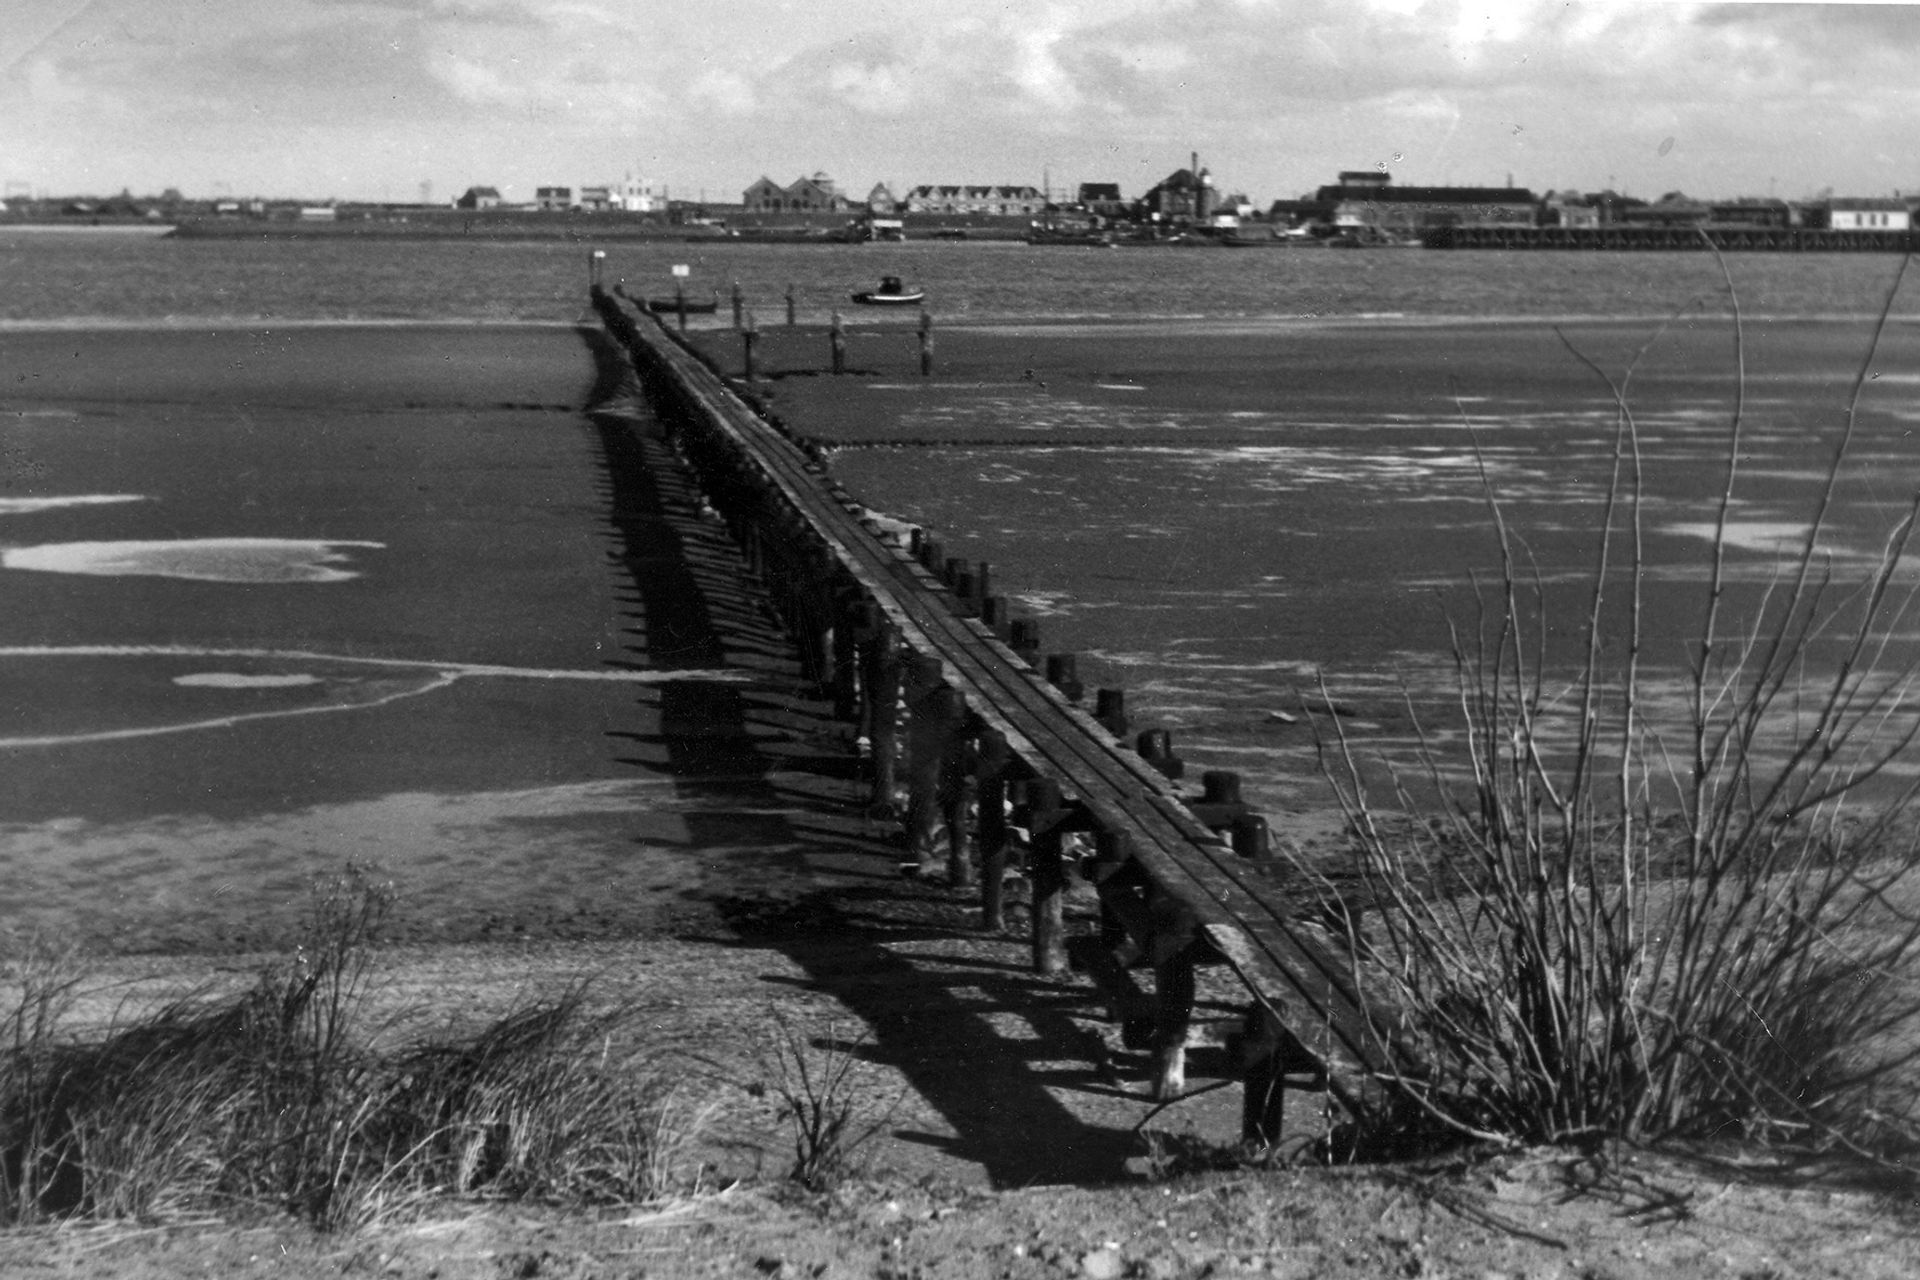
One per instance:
(1277, 93)
(724, 91)
(472, 81)
(50, 89)
(878, 90)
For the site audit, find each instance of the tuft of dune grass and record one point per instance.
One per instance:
(293, 1098)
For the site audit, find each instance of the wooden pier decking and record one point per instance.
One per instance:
(960, 714)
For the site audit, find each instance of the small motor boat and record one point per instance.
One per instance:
(693, 306)
(891, 293)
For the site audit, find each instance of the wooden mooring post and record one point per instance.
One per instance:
(926, 343)
(749, 335)
(837, 343)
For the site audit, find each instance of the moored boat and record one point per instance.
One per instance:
(891, 293)
(692, 306)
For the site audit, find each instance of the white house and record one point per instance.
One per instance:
(637, 195)
(1869, 215)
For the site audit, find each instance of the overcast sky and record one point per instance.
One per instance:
(374, 98)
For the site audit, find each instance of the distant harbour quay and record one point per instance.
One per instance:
(1644, 238)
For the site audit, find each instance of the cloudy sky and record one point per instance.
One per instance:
(375, 98)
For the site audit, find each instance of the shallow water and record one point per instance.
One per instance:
(1216, 551)
(70, 276)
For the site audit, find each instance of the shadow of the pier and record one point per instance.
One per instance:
(761, 772)
(990, 1048)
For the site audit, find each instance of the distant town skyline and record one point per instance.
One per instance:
(393, 99)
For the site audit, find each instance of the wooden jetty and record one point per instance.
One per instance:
(984, 735)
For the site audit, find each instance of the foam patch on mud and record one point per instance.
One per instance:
(236, 680)
(27, 506)
(249, 560)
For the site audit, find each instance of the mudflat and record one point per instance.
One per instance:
(1219, 516)
(276, 599)
(440, 600)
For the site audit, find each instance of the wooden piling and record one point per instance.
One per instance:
(1252, 839)
(739, 300)
(992, 759)
(1112, 850)
(750, 334)
(1220, 786)
(848, 608)
(1023, 637)
(1156, 748)
(1047, 872)
(1173, 990)
(1263, 1072)
(837, 343)
(883, 679)
(1110, 709)
(926, 343)
(959, 791)
(790, 308)
(993, 612)
(932, 718)
(1063, 673)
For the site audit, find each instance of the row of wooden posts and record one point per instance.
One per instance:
(963, 795)
(746, 323)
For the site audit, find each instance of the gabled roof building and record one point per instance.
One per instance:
(816, 194)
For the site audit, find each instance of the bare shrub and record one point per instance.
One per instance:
(1694, 925)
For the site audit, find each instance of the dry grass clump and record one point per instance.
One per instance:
(824, 1099)
(1702, 926)
(291, 1097)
